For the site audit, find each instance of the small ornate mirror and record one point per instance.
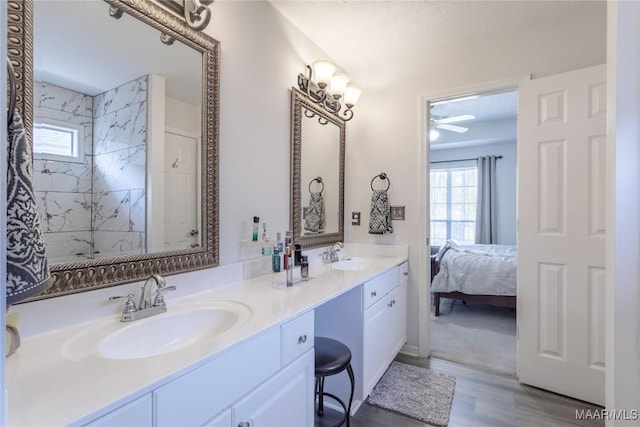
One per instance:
(317, 173)
(121, 100)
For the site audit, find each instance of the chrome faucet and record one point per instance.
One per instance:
(331, 253)
(146, 307)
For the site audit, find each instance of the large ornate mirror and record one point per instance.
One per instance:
(121, 100)
(317, 173)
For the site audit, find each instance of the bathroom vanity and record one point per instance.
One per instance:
(258, 371)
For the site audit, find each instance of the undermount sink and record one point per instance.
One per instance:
(350, 264)
(178, 328)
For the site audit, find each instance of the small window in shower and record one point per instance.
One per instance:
(56, 140)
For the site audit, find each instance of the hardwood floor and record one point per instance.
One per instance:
(481, 399)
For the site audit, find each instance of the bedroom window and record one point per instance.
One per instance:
(453, 204)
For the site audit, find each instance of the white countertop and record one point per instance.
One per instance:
(44, 387)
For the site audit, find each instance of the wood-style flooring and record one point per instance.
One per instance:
(481, 399)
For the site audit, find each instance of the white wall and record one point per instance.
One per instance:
(262, 55)
(505, 181)
(623, 223)
(385, 133)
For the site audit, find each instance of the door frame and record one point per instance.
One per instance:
(424, 268)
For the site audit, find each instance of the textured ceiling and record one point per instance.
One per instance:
(364, 34)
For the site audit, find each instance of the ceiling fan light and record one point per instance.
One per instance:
(433, 135)
(351, 95)
(323, 70)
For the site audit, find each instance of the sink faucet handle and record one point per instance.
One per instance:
(159, 298)
(129, 305)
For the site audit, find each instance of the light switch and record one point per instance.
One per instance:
(397, 213)
(355, 218)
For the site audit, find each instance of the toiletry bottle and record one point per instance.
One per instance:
(289, 263)
(304, 267)
(279, 241)
(256, 221)
(297, 254)
(275, 260)
(266, 241)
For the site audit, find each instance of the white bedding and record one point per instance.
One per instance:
(477, 270)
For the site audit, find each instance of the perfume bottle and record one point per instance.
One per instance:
(266, 241)
(304, 267)
(256, 221)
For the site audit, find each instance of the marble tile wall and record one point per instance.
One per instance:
(63, 189)
(119, 169)
(97, 206)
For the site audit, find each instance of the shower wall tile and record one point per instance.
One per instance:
(120, 170)
(68, 246)
(111, 211)
(60, 211)
(128, 94)
(120, 129)
(50, 175)
(137, 214)
(46, 95)
(114, 243)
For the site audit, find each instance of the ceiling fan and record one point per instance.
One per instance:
(445, 123)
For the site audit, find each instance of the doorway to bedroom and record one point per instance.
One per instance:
(472, 228)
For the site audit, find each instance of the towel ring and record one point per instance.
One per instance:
(12, 92)
(382, 176)
(319, 179)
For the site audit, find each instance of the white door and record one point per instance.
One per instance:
(561, 233)
(181, 191)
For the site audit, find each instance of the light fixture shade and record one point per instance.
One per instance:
(351, 95)
(339, 83)
(323, 70)
(433, 135)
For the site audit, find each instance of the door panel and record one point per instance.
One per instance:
(561, 233)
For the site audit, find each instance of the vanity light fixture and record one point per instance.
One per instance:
(324, 86)
(196, 13)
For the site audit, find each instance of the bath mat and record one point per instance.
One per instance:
(415, 392)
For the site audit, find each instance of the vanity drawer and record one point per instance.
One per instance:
(403, 272)
(297, 337)
(379, 286)
(196, 397)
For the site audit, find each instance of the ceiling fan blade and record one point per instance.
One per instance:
(452, 128)
(456, 119)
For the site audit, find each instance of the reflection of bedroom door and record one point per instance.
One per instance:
(180, 180)
(561, 233)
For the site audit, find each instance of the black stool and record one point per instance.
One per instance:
(332, 357)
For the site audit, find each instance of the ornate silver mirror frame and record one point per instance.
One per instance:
(299, 101)
(81, 276)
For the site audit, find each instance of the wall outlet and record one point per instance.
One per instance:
(397, 213)
(355, 218)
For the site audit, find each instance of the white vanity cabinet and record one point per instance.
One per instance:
(267, 380)
(286, 400)
(136, 413)
(384, 323)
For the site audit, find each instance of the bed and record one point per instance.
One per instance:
(481, 273)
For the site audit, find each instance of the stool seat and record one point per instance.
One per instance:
(332, 356)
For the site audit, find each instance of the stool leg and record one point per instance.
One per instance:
(353, 381)
(321, 397)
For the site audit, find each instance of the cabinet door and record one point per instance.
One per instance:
(398, 319)
(134, 414)
(223, 419)
(376, 343)
(285, 400)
